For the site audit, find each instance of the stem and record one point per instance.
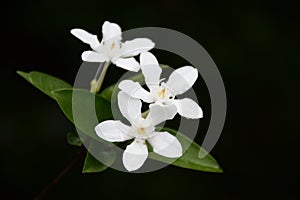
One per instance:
(96, 83)
(101, 77)
(99, 70)
(57, 179)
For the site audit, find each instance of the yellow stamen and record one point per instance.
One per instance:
(162, 93)
(112, 46)
(141, 130)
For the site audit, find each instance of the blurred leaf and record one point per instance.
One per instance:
(73, 139)
(104, 153)
(190, 158)
(44, 82)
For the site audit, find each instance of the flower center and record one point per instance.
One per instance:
(141, 130)
(162, 93)
(112, 46)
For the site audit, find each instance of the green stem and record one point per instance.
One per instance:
(99, 70)
(96, 85)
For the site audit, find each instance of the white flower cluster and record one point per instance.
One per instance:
(161, 96)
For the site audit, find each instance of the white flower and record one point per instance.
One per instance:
(141, 130)
(111, 49)
(163, 93)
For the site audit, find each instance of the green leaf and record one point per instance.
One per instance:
(84, 122)
(190, 159)
(73, 139)
(92, 164)
(85, 105)
(62, 93)
(44, 82)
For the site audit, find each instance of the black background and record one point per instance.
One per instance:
(254, 44)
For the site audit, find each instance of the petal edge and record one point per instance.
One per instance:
(135, 155)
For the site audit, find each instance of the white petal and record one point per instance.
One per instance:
(135, 90)
(161, 113)
(128, 63)
(129, 107)
(165, 144)
(136, 46)
(92, 56)
(111, 31)
(150, 69)
(135, 155)
(113, 131)
(182, 79)
(188, 108)
(86, 37)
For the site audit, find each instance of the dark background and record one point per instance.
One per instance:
(256, 47)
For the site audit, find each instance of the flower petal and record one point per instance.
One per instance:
(113, 131)
(111, 31)
(188, 108)
(182, 79)
(160, 113)
(92, 56)
(129, 107)
(135, 90)
(127, 63)
(150, 69)
(136, 46)
(86, 37)
(165, 144)
(135, 155)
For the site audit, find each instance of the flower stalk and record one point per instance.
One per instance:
(96, 84)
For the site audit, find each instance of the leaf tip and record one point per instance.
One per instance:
(218, 169)
(23, 74)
